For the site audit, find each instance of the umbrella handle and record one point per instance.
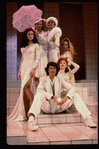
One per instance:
(28, 20)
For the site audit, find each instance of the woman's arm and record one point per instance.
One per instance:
(76, 67)
(37, 56)
(36, 63)
(56, 39)
(42, 38)
(19, 72)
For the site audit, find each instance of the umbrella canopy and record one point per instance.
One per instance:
(25, 17)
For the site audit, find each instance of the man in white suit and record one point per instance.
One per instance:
(48, 98)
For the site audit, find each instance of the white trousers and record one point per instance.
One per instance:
(52, 55)
(40, 102)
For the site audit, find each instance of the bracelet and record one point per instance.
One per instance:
(59, 100)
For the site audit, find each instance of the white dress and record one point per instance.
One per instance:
(69, 76)
(53, 47)
(31, 57)
(66, 54)
(43, 55)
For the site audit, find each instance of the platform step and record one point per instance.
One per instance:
(92, 106)
(16, 134)
(51, 134)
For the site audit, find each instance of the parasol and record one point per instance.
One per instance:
(25, 17)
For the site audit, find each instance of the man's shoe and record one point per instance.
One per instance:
(89, 122)
(31, 124)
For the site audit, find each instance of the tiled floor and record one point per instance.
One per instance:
(55, 129)
(52, 134)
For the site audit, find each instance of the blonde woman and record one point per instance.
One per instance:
(68, 49)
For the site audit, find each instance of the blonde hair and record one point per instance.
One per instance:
(70, 46)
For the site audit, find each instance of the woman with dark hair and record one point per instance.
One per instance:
(68, 49)
(28, 70)
(64, 69)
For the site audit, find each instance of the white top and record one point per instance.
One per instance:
(42, 38)
(55, 32)
(43, 55)
(66, 54)
(69, 76)
(31, 57)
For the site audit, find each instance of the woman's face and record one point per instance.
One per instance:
(39, 25)
(63, 65)
(51, 24)
(30, 35)
(65, 45)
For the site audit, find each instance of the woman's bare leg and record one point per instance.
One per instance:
(26, 103)
(36, 82)
(27, 96)
(28, 91)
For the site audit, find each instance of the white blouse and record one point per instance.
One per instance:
(69, 76)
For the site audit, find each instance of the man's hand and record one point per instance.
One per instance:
(53, 39)
(63, 101)
(55, 98)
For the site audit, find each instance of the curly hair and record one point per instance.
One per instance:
(54, 65)
(70, 46)
(61, 59)
(24, 42)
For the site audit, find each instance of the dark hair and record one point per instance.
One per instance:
(52, 64)
(58, 63)
(25, 40)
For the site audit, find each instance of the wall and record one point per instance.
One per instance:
(11, 46)
(90, 18)
(90, 13)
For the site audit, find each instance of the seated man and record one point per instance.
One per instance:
(48, 98)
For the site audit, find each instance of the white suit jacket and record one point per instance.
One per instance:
(45, 87)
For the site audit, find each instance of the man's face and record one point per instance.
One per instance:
(52, 71)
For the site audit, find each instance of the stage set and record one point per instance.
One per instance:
(78, 22)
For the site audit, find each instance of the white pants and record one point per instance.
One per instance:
(52, 55)
(40, 102)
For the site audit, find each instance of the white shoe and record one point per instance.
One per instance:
(89, 122)
(31, 124)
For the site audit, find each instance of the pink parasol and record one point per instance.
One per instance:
(25, 17)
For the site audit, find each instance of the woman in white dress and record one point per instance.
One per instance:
(68, 75)
(53, 39)
(65, 72)
(28, 70)
(68, 49)
(41, 37)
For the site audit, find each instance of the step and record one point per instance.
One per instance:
(60, 118)
(16, 134)
(92, 106)
(52, 134)
(13, 94)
